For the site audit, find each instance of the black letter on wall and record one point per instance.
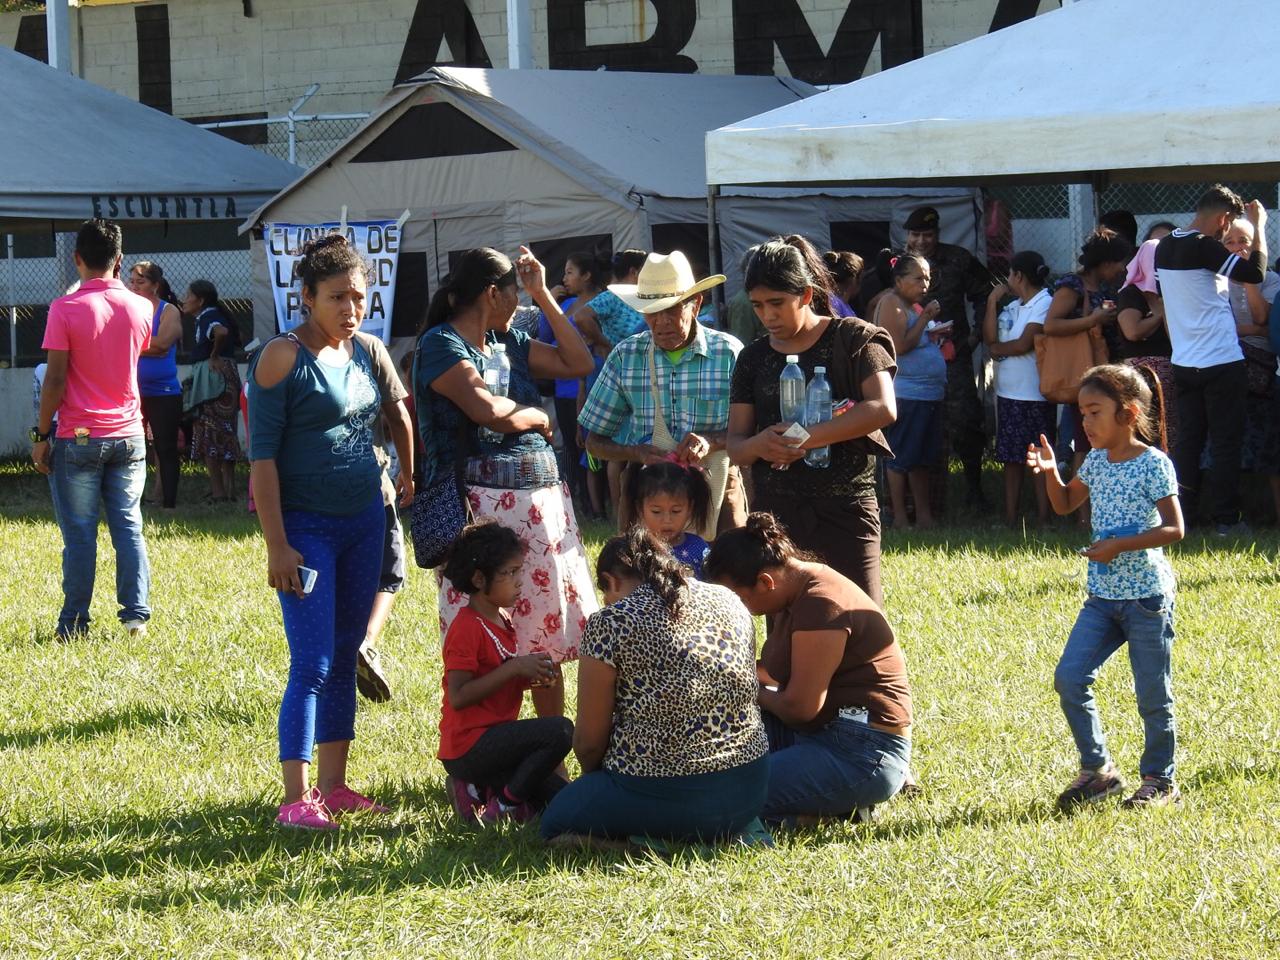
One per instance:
(1009, 12)
(33, 38)
(155, 82)
(759, 25)
(436, 20)
(568, 49)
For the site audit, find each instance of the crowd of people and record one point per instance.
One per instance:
(728, 503)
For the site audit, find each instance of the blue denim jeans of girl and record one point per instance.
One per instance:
(105, 474)
(1103, 626)
(326, 627)
(833, 771)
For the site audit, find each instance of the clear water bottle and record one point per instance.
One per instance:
(817, 409)
(497, 379)
(791, 391)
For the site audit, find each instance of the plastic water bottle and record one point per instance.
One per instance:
(817, 409)
(497, 379)
(791, 391)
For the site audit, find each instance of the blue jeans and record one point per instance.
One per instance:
(832, 771)
(1102, 627)
(106, 473)
(704, 806)
(326, 627)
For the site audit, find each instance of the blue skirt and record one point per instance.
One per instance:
(916, 436)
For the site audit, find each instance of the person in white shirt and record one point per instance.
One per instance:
(1193, 268)
(1022, 413)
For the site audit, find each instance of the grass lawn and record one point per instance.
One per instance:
(139, 783)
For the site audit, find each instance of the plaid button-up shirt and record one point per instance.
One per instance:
(694, 391)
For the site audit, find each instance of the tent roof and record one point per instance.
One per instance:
(619, 134)
(67, 140)
(1098, 90)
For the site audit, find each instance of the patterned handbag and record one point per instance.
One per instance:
(441, 510)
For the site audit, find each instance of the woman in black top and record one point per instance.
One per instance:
(830, 511)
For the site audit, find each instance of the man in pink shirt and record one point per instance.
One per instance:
(93, 338)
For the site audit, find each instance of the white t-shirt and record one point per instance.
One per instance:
(1017, 377)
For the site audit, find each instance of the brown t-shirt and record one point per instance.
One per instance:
(390, 389)
(872, 673)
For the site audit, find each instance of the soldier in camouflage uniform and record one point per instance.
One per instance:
(956, 276)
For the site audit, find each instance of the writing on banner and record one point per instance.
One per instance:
(378, 243)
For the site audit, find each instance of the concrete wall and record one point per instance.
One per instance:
(205, 58)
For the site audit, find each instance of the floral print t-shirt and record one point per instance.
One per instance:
(1122, 498)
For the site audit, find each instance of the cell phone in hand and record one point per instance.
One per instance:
(307, 577)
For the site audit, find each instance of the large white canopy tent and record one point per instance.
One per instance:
(563, 158)
(1100, 91)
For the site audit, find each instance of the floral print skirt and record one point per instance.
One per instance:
(557, 593)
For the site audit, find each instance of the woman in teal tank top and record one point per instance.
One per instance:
(313, 399)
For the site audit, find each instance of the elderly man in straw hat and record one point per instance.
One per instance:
(666, 389)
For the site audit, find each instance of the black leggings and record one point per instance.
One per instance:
(164, 415)
(521, 755)
(567, 419)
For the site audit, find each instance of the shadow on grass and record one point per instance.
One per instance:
(135, 716)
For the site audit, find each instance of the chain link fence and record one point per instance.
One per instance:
(1054, 220)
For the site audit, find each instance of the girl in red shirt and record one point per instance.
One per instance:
(499, 767)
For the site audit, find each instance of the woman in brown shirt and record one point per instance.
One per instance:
(834, 691)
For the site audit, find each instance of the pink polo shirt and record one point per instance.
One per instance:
(103, 327)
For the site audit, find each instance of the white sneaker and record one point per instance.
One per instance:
(136, 628)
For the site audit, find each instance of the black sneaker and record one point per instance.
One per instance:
(1153, 793)
(1091, 786)
(370, 680)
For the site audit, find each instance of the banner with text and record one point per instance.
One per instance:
(377, 241)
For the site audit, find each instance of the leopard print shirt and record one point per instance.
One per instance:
(685, 697)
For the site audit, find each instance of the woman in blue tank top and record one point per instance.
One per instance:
(158, 378)
(920, 386)
(314, 395)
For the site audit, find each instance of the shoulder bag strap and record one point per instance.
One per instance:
(662, 438)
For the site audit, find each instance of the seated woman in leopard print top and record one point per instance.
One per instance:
(668, 733)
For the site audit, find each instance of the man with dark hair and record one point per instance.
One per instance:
(956, 275)
(94, 337)
(1193, 267)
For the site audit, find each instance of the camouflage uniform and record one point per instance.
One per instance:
(957, 275)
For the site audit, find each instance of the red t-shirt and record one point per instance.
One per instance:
(468, 646)
(103, 327)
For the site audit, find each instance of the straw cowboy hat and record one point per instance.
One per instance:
(664, 281)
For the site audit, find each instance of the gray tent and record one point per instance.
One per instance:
(73, 150)
(564, 159)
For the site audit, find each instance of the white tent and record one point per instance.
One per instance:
(72, 150)
(1101, 90)
(564, 159)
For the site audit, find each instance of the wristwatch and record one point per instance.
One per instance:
(38, 437)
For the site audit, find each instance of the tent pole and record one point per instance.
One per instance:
(714, 258)
(13, 309)
(519, 35)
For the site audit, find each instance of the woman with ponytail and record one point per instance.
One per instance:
(835, 697)
(500, 446)
(1022, 413)
(668, 733)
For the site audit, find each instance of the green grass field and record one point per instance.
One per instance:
(138, 784)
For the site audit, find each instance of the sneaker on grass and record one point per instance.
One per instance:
(465, 798)
(1154, 792)
(370, 680)
(1091, 786)
(309, 813)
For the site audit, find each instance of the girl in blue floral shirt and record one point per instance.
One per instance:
(1133, 492)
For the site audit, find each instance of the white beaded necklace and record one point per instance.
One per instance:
(503, 652)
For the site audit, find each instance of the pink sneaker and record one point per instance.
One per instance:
(465, 799)
(342, 799)
(495, 811)
(309, 813)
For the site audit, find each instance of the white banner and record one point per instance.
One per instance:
(378, 241)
